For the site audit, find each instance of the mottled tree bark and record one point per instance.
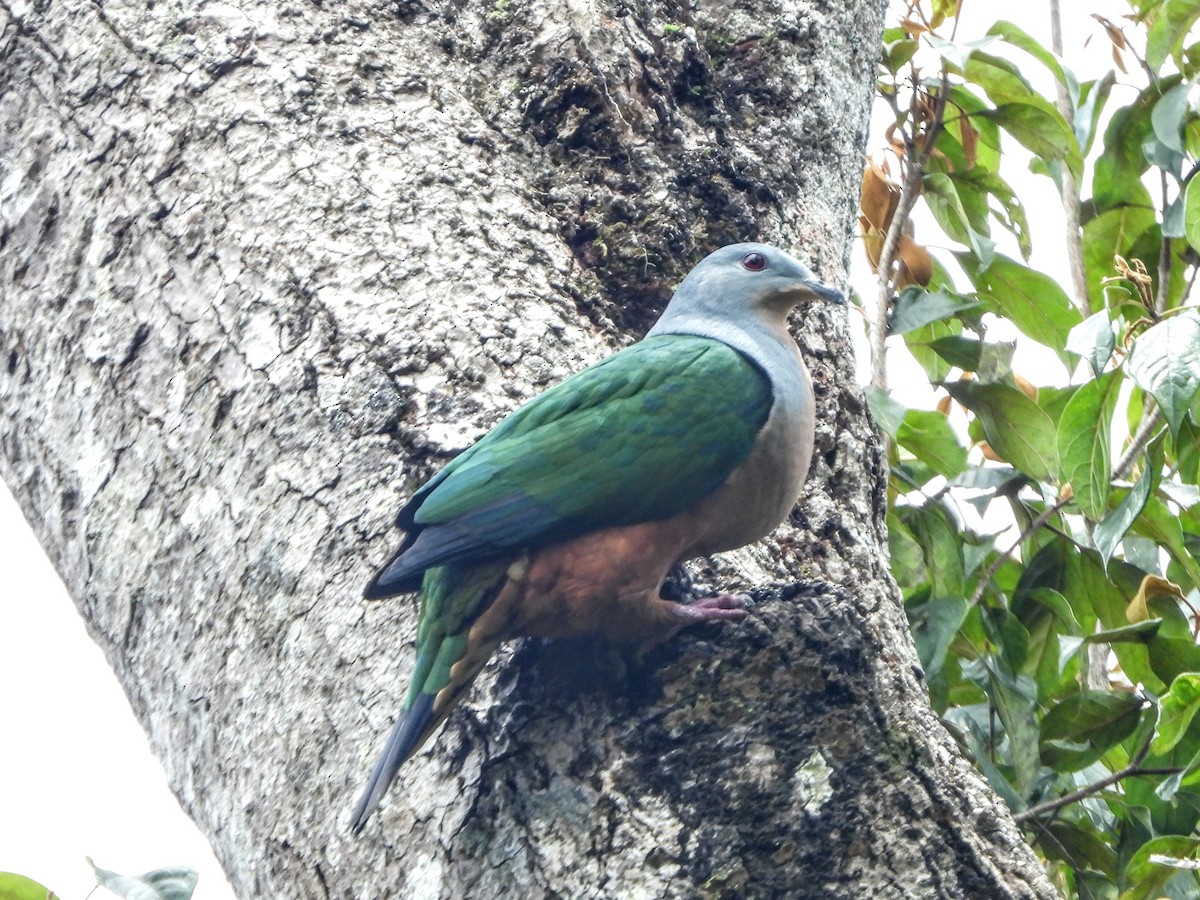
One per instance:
(265, 266)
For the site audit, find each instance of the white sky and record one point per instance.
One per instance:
(76, 774)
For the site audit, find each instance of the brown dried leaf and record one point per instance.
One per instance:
(916, 260)
(1117, 38)
(970, 140)
(872, 243)
(989, 453)
(879, 196)
(1151, 586)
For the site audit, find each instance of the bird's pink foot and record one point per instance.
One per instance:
(725, 607)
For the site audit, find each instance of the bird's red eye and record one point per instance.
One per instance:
(754, 261)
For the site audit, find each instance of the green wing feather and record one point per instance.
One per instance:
(639, 437)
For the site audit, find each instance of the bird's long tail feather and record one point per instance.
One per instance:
(445, 668)
(401, 744)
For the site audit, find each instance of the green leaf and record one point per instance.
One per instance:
(887, 413)
(917, 307)
(1171, 657)
(942, 543)
(1117, 177)
(18, 887)
(1187, 451)
(1014, 697)
(1033, 301)
(1081, 846)
(934, 626)
(1009, 634)
(1040, 128)
(927, 435)
(1083, 442)
(161, 884)
(1111, 530)
(907, 555)
(1057, 604)
(1168, 116)
(1179, 707)
(990, 361)
(1016, 427)
(1077, 731)
(1168, 30)
(941, 196)
(1160, 156)
(1093, 95)
(975, 186)
(959, 351)
(1191, 213)
(1161, 525)
(964, 106)
(919, 341)
(1172, 783)
(1138, 633)
(898, 49)
(1015, 35)
(1116, 232)
(1025, 114)
(1156, 862)
(1093, 339)
(1165, 363)
(1173, 224)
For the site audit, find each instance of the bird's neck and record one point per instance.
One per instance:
(767, 343)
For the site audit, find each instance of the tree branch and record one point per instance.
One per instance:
(1150, 422)
(1070, 192)
(887, 257)
(1164, 254)
(1131, 770)
(1029, 529)
(914, 159)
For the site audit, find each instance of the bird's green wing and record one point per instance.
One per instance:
(638, 437)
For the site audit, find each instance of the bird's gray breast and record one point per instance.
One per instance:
(758, 495)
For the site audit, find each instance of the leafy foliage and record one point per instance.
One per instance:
(1064, 660)
(18, 887)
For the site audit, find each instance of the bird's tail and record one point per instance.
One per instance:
(447, 663)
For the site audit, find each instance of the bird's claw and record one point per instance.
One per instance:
(722, 608)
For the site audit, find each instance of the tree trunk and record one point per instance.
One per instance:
(265, 267)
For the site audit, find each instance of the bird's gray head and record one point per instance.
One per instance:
(745, 280)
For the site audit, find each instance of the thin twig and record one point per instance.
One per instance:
(1134, 768)
(908, 197)
(1033, 526)
(1150, 422)
(914, 161)
(1131, 770)
(1070, 194)
(1164, 254)
(1187, 291)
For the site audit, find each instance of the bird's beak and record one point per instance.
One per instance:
(826, 292)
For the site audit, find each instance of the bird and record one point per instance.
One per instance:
(567, 516)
